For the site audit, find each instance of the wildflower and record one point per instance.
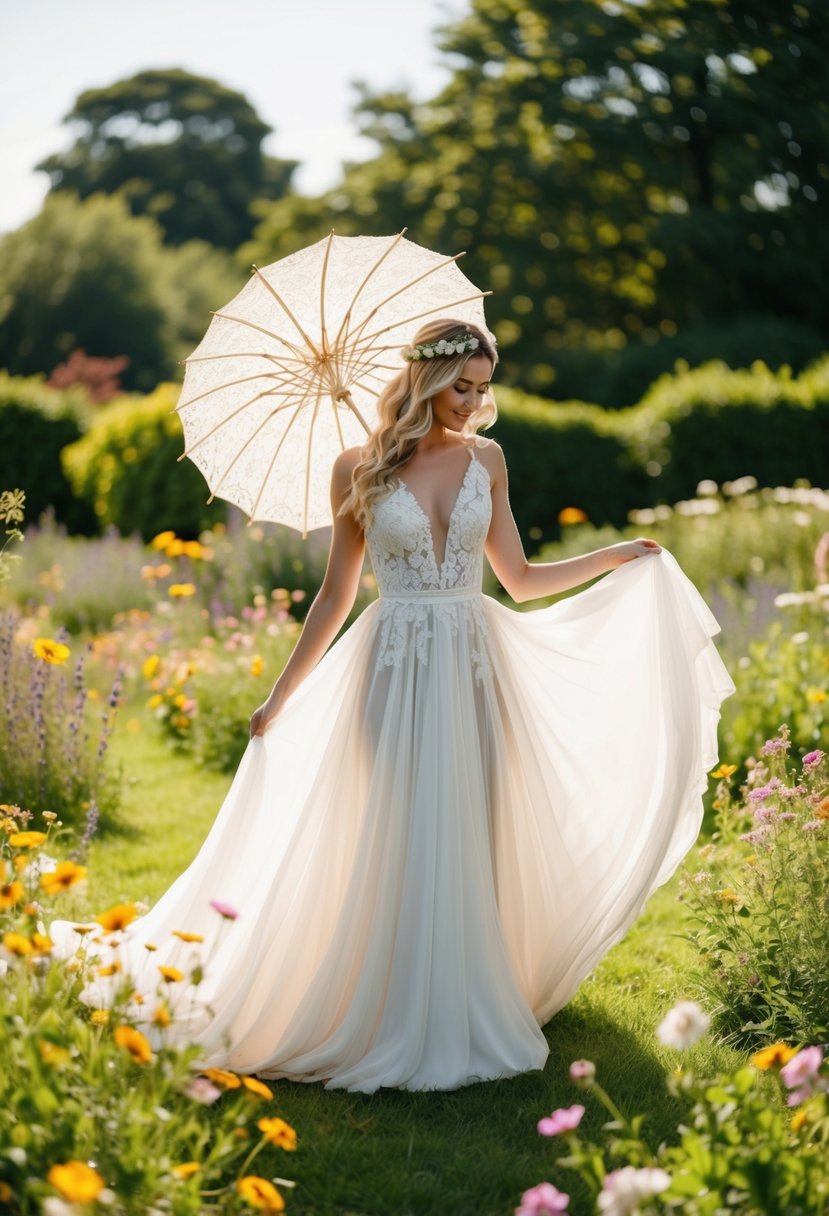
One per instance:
(134, 1042)
(728, 895)
(624, 1189)
(162, 540)
(566, 1119)
(800, 1074)
(725, 770)
(203, 1091)
(150, 946)
(187, 937)
(52, 1053)
(775, 1053)
(17, 944)
(76, 1181)
(50, 651)
(186, 1170)
(181, 590)
(761, 792)
(26, 840)
(161, 1016)
(542, 1200)
(582, 1072)
(117, 917)
(194, 550)
(260, 1193)
(227, 911)
(813, 759)
(683, 1025)
(99, 1017)
(765, 812)
(11, 893)
(109, 969)
(572, 515)
(171, 974)
(257, 665)
(64, 876)
(812, 825)
(798, 1119)
(278, 1132)
(755, 837)
(150, 666)
(41, 943)
(256, 1087)
(780, 743)
(815, 696)
(223, 1077)
(701, 876)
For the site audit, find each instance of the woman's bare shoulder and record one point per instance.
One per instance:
(348, 459)
(490, 454)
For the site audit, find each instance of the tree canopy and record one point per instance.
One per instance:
(183, 149)
(621, 173)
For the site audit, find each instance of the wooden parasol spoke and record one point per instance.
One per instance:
(277, 450)
(314, 350)
(323, 277)
(182, 405)
(245, 354)
(352, 335)
(479, 295)
(227, 316)
(395, 241)
(229, 417)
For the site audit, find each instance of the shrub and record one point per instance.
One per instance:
(36, 422)
(125, 466)
(761, 906)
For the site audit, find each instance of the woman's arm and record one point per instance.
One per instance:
(526, 581)
(332, 603)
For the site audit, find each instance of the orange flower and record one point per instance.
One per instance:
(260, 1193)
(50, 651)
(257, 665)
(256, 1087)
(16, 943)
(222, 1076)
(188, 937)
(728, 896)
(775, 1053)
(171, 974)
(278, 1132)
(162, 540)
(51, 1053)
(109, 969)
(117, 917)
(64, 876)
(134, 1042)
(181, 590)
(26, 840)
(41, 943)
(725, 770)
(797, 1120)
(76, 1181)
(186, 1170)
(572, 515)
(161, 1016)
(11, 893)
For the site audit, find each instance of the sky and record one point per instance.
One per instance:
(294, 60)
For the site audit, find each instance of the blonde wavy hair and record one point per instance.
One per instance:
(405, 412)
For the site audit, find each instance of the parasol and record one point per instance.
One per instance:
(288, 374)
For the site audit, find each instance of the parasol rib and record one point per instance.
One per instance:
(282, 439)
(347, 318)
(353, 334)
(323, 277)
(245, 404)
(251, 438)
(287, 312)
(479, 295)
(228, 384)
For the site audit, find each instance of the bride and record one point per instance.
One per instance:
(446, 818)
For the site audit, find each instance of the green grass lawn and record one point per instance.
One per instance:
(467, 1153)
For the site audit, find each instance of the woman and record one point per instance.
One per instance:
(444, 820)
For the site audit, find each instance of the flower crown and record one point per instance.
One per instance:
(445, 346)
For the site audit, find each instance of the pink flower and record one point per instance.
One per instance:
(202, 1090)
(225, 910)
(582, 1071)
(812, 825)
(772, 746)
(812, 759)
(566, 1119)
(764, 791)
(542, 1200)
(800, 1074)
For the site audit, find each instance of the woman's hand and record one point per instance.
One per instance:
(627, 550)
(260, 717)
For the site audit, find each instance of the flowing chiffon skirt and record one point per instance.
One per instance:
(427, 858)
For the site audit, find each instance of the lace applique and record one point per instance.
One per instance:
(402, 555)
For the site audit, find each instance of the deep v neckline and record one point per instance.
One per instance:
(402, 485)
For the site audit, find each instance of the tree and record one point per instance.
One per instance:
(620, 172)
(91, 275)
(180, 148)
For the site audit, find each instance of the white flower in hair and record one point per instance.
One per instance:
(459, 345)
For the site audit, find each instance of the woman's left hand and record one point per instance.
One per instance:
(628, 550)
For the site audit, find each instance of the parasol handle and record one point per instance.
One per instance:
(345, 395)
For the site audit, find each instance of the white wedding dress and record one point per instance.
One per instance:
(456, 815)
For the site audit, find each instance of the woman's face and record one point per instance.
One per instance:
(452, 406)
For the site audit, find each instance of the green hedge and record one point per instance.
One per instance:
(126, 467)
(36, 422)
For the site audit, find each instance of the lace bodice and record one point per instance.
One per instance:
(401, 546)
